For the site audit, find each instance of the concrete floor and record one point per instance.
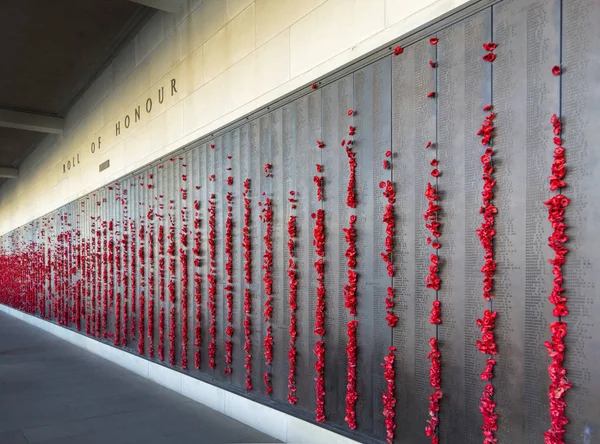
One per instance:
(53, 392)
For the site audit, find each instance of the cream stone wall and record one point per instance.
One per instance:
(228, 57)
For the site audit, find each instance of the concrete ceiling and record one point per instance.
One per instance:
(51, 51)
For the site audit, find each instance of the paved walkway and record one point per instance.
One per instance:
(53, 392)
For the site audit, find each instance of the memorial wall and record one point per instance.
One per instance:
(404, 251)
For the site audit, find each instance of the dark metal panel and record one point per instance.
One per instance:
(372, 119)
(279, 198)
(527, 35)
(223, 148)
(403, 148)
(204, 172)
(581, 114)
(337, 100)
(414, 114)
(461, 80)
(221, 211)
(171, 190)
(257, 291)
(307, 129)
(287, 183)
(243, 165)
(238, 155)
(477, 94)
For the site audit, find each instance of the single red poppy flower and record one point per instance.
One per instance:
(434, 162)
(432, 63)
(436, 245)
(433, 40)
(398, 50)
(350, 112)
(388, 153)
(487, 107)
(320, 144)
(212, 147)
(385, 164)
(314, 86)
(431, 94)
(489, 46)
(428, 145)
(435, 172)
(556, 70)
(489, 57)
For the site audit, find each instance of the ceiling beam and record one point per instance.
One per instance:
(9, 173)
(163, 5)
(31, 121)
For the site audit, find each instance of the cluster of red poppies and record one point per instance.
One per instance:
(247, 245)
(172, 319)
(105, 267)
(556, 347)
(319, 181)
(350, 303)
(350, 287)
(558, 384)
(319, 330)
(319, 242)
(389, 396)
(489, 47)
(133, 268)
(150, 328)
(117, 338)
(320, 381)
(111, 261)
(351, 375)
(490, 417)
(197, 284)
(388, 218)
(267, 266)
(558, 166)
(248, 340)
(435, 373)
(351, 199)
(161, 291)
(486, 233)
(142, 297)
(125, 272)
(184, 288)
(212, 281)
(293, 288)
(229, 286)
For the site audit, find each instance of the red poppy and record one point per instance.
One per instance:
(431, 94)
(388, 153)
(490, 57)
(432, 63)
(398, 50)
(313, 86)
(320, 144)
(487, 107)
(428, 145)
(212, 147)
(489, 46)
(556, 70)
(433, 40)
(435, 172)
(350, 112)
(434, 162)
